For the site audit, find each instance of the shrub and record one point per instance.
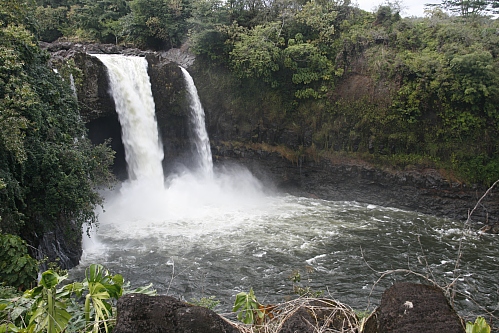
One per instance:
(17, 268)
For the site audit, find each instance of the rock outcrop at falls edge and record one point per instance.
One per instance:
(425, 190)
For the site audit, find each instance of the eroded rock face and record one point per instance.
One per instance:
(61, 245)
(165, 314)
(93, 92)
(414, 308)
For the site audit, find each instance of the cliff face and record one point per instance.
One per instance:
(97, 106)
(424, 190)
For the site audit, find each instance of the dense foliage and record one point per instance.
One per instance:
(426, 89)
(48, 169)
(17, 268)
(53, 307)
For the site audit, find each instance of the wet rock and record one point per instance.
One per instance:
(179, 56)
(97, 105)
(142, 313)
(198, 319)
(426, 190)
(318, 315)
(62, 245)
(93, 92)
(165, 314)
(414, 308)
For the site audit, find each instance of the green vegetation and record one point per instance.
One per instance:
(53, 308)
(304, 290)
(479, 326)
(468, 8)
(247, 307)
(421, 89)
(401, 92)
(17, 268)
(308, 79)
(206, 302)
(49, 170)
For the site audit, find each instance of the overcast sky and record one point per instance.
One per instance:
(409, 7)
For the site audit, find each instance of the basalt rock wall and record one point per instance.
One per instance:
(234, 134)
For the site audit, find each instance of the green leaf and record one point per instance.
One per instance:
(247, 306)
(49, 279)
(480, 326)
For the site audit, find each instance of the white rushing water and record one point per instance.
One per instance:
(186, 202)
(201, 139)
(73, 86)
(197, 236)
(131, 91)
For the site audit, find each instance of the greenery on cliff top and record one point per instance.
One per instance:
(327, 75)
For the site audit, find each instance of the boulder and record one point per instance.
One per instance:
(164, 314)
(414, 308)
(197, 319)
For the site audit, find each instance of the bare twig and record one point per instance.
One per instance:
(467, 224)
(428, 269)
(327, 315)
(172, 277)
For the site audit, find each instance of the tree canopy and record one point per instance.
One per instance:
(470, 8)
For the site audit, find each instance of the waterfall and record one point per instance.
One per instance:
(131, 90)
(73, 86)
(201, 139)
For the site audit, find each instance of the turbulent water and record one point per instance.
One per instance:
(195, 243)
(198, 236)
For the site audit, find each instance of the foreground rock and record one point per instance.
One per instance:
(404, 308)
(165, 314)
(414, 308)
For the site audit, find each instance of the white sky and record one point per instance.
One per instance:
(409, 7)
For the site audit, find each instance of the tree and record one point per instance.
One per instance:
(257, 53)
(469, 8)
(311, 68)
(19, 12)
(206, 35)
(158, 24)
(97, 20)
(51, 22)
